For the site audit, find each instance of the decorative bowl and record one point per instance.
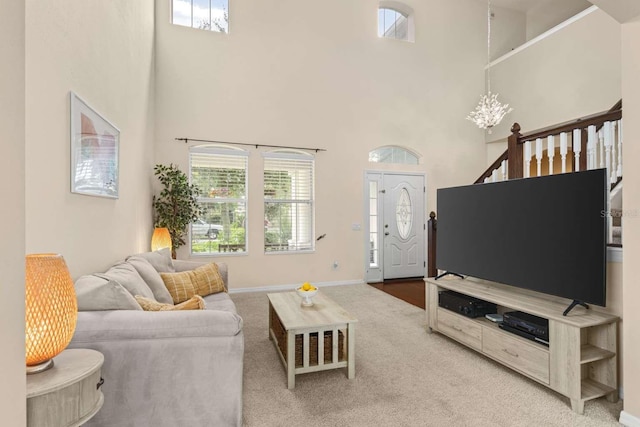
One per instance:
(307, 296)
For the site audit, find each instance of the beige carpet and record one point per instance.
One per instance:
(404, 377)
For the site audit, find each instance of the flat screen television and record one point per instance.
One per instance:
(547, 234)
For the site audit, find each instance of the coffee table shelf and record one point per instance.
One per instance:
(310, 339)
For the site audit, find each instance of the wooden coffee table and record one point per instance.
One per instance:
(313, 335)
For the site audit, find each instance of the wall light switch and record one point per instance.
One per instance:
(355, 226)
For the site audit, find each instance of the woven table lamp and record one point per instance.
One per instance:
(51, 309)
(161, 239)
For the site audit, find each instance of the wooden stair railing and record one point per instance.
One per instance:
(595, 142)
(599, 145)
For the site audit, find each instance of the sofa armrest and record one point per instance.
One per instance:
(184, 265)
(166, 369)
(113, 325)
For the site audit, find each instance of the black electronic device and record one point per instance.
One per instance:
(522, 333)
(547, 234)
(525, 322)
(464, 304)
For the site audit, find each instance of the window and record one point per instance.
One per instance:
(395, 21)
(392, 154)
(209, 15)
(288, 201)
(221, 177)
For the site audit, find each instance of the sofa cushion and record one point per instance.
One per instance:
(204, 280)
(220, 301)
(194, 303)
(126, 274)
(96, 293)
(160, 260)
(151, 277)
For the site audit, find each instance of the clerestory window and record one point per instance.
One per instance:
(212, 15)
(395, 21)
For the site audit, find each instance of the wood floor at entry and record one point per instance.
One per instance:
(409, 290)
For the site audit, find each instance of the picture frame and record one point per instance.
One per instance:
(95, 146)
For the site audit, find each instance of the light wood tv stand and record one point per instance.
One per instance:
(580, 361)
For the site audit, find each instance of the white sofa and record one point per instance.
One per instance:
(166, 368)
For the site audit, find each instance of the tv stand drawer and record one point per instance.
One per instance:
(460, 328)
(512, 351)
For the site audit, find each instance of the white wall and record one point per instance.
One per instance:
(103, 51)
(631, 222)
(547, 14)
(508, 30)
(12, 87)
(559, 78)
(316, 75)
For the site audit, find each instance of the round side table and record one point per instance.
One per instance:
(69, 393)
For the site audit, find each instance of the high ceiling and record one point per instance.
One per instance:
(519, 5)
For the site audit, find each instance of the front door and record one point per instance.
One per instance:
(403, 226)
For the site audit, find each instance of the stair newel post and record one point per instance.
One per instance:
(515, 156)
(432, 227)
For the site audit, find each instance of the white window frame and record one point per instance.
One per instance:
(223, 151)
(404, 10)
(211, 26)
(297, 247)
(403, 150)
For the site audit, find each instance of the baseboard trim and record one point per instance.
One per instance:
(628, 420)
(278, 288)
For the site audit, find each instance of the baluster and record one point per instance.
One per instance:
(601, 148)
(486, 180)
(527, 159)
(539, 155)
(577, 147)
(606, 142)
(619, 172)
(614, 155)
(551, 152)
(494, 175)
(563, 151)
(503, 167)
(591, 148)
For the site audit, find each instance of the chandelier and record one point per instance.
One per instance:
(489, 111)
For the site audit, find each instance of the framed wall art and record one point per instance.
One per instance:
(94, 151)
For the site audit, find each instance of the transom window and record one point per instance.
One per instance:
(212, 15)
(288, 201)
(395, 20)
(393, 154)
(221, 177)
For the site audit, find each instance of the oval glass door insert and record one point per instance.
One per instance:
(404, 214)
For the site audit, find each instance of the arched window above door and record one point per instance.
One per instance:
(394, 154)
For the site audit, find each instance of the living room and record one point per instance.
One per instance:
(289, 74)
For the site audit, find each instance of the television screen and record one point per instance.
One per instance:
(547, 234)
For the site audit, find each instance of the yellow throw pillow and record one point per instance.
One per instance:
(194, 303)
(202, 281)
(207, 280)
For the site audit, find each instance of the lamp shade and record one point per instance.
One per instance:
(161, 239)
(51, 309)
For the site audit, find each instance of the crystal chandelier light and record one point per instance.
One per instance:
(489, 111)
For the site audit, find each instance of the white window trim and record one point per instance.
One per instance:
(294, 155)
(405, 10)
(229, 151)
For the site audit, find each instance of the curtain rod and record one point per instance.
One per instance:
(186, 140)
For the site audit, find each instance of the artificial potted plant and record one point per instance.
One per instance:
(176, 206)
